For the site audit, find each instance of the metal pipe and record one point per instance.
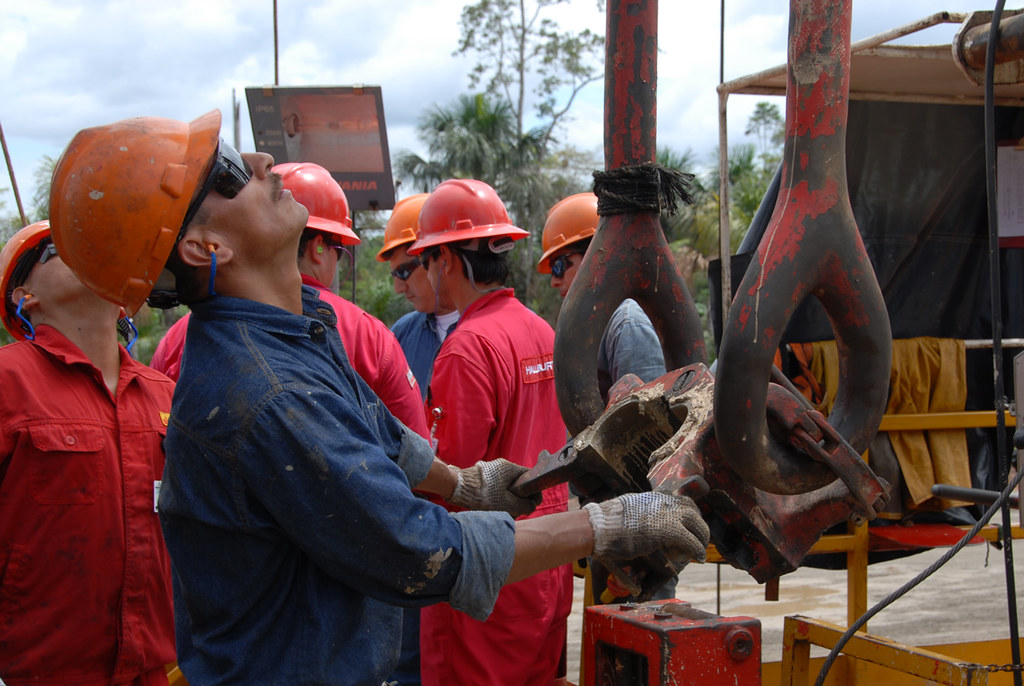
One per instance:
(14, 182)
(1009, 46)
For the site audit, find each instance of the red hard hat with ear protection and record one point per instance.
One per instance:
(21, 244)
(313, 187)
(463, 209)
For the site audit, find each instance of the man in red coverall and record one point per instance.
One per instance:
(85, 591)
(492, 394)
(372, 349)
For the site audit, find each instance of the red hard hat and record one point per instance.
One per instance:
(569, 221)
(313, 187)
(22, 242)
(463, 209)
(403, 225)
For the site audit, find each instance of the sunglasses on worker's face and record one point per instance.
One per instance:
(48, 251)
(560, 265)
(403, 271)
(227, 177)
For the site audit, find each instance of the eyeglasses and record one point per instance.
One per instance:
(50, 250)
(403, 271)
(336, 247)
(227, 176)
(560, 265)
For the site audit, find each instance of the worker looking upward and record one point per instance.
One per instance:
(85, 592)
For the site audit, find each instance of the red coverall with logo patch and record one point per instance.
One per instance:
(493, 395)
(85, 579)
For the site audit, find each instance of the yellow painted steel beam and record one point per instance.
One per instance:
(799, 633)
(944, 420)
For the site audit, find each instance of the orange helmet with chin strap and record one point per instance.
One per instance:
(21, 244)
(569, 221)
(313, 187)
(403, 225)
(119, 197)
(464, 209)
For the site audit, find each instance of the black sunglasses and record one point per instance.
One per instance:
(405, 270)
(227, 176)
(48, 251)
(560, 265)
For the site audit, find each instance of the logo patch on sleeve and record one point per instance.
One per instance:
(538, 368)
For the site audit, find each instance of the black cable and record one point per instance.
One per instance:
(928, 571)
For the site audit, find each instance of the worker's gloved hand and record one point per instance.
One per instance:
(484, 486)
(637, 524)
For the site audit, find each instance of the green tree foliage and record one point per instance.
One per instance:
(43, 177)
(768, 126)
(526, 56)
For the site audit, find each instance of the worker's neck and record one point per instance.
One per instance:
(465, 294)
(277, 285)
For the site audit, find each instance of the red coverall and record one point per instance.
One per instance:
(493, 395)
(372, 349)
(85, 580)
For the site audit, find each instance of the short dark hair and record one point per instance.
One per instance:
(488, 267)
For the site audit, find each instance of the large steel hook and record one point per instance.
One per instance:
(628, 256)
(811, 247)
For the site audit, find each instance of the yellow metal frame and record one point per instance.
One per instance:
(800, 633)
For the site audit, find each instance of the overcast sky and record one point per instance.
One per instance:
(69, 64)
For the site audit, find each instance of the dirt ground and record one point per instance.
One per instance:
(965, 599)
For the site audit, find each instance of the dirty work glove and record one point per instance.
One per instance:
(636, 524)
(484, 486)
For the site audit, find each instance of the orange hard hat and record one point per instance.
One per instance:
(313, 187)
(22, 243)
(570, 220)
(463, 209)
(119, 197)
(403, 225)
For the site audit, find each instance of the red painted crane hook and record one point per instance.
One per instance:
(811, 247)
(628, 256)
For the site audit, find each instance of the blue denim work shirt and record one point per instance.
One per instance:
(415, 333)
(630, 345)
(286, 506)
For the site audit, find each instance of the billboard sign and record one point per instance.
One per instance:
(341, 128)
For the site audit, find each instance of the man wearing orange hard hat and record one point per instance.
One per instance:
(286, 501)
(86, 588)
(422, 331)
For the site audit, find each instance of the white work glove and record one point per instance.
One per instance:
(636, 524)
(484, 486)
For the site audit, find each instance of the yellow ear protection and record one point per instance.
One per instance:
(319, 250)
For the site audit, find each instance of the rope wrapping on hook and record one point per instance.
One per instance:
(641, 188)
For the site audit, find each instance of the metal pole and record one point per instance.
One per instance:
(275, 44)
(14, 182)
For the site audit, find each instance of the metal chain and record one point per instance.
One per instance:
(1005, 668)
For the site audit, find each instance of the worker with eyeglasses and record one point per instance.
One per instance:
(287, 501)
(630, 345)
(421, 331)
(85, 586)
